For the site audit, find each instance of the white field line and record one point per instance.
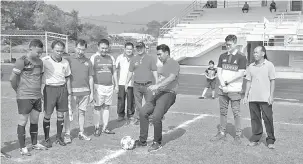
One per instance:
(120, 152)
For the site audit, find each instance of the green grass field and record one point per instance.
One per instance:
(187, 129)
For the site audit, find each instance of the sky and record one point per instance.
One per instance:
(97, 8)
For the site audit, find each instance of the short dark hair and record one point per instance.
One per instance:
(57, 42)
(164, 48)
(81, 42)
(103, 41)
(211, 62)
(129, 44)
(232, 38)
(36, 43)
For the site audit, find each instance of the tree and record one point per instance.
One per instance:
(18, 15)
(153, 28)
(91, 32)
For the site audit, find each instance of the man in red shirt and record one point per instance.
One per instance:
(82, 89)
(164, 96)
(26, 80)
(143, 67)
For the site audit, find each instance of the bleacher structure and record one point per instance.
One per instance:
(199, 30)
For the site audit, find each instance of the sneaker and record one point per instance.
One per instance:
(82, 136)
(60, 141)
(253, 144)
(24, 151)
(154, 147)
(48, 143)
(97, 132)
(213, 97)
(202, 97)
(219, 136)
(237, 140)
(5, 155)
(107, 131)
(138, 143)
(271, 146)
(67, 138)
(39, 147)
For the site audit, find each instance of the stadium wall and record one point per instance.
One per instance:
(204, 59)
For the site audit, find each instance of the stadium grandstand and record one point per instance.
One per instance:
(197, 34)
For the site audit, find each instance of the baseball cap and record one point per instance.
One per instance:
(140, 44)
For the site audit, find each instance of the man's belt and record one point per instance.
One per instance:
(149, 82)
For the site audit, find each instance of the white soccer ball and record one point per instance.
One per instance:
(127, 143)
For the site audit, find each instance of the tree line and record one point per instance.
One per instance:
(37, 15)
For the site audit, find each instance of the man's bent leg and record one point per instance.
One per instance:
(163, 103)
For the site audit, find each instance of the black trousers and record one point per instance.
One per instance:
(256, 108)
(130, 101)
(158, 106)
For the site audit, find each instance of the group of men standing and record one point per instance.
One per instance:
(69, 83)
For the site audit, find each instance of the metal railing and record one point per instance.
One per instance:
(197, 4)
(199, 42)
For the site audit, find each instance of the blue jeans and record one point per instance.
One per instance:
(141, 90)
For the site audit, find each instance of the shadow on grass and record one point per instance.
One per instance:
(113, 124)
(173, 135)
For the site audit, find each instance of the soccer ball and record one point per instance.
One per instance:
(127, 143)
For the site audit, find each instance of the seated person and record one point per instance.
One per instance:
(245, 7)
(272, 6)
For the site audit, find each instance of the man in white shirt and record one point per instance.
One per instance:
(56, 79)
(122, 64)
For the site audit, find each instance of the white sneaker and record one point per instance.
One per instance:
(39, 147)
(24, 151)
(83, 137)
(67, 139)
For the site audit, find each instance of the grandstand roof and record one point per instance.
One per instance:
(22, 32)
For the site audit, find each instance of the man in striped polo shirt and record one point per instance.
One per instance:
(231, 68)
(56, 91)
(82, 89)
(104, 74)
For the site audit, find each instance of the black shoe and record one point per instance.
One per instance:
(60, 141)
(154, 147)
(97, 132)
(48, 143)
(201, 97)
(107, 131)
(138, 143)
(219, 136)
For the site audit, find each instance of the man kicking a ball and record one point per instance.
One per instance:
(164, 97)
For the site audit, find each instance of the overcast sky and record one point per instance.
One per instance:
(97, 8)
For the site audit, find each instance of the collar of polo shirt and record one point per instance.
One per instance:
(264, 62)
(233, 53)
